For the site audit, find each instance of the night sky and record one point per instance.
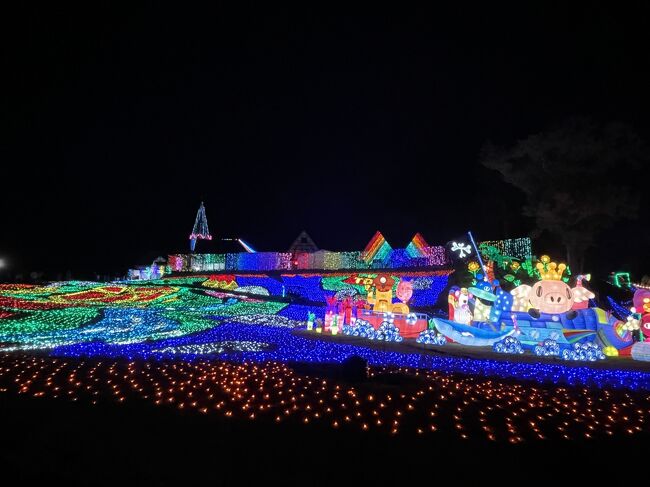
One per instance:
(117, 122)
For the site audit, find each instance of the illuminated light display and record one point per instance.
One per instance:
(404, 290)
(361, 329)
(244, 245)
(461, 249)
(311, 316)
(465, 406)
(378, 253)
(641, 351)
(459, 306)
(114, 295)
(118, 314)
(221, 281)
(520, 298)
(97, 325)
(431, 337)
(377, 249)
(551, 295)
(436, 256)
(417, 247)
(548, 348)
(151, 346)
(508, 345)
(54, 328)
(387, 332)
(549, 310)
(200, 229)
(610, 351)
(192, 309)
(289, 347)
(585, 352)
(473, 268)
(213, 348)
(469, 334)
(484, 297)
(620, 279)
(502, 304)
(41, 325)
(379, 309)
(259, 290)
(581, 295)
(184, 316)
(380, 296)
(519, 248)
(319, 260)
(621, 311)
(641, 301)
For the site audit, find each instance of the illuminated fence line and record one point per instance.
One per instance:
(408, 258)
(285, 261)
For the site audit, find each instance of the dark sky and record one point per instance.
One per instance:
(117, 122)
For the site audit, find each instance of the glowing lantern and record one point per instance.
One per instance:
(335, 325)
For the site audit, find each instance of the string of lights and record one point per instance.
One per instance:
(428, 402)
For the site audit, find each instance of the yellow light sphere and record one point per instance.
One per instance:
(610, 351)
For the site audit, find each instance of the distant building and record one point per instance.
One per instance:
(303, 243)
(145, 272)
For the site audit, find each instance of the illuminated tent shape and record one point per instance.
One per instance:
(377, 249)
(417, 247)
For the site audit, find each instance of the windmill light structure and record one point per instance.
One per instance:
(200, 230)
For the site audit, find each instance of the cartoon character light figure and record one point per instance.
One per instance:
(404, 292)
(462, 313)
(520, 298)
(551, 295)
(484, 297)
(452, 300)
(503, 304)
(582, 295)
(641, 301)
(382, 297)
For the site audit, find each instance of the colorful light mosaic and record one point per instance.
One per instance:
(205, 349)
(44, 317)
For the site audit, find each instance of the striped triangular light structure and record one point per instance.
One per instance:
(377, 249)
